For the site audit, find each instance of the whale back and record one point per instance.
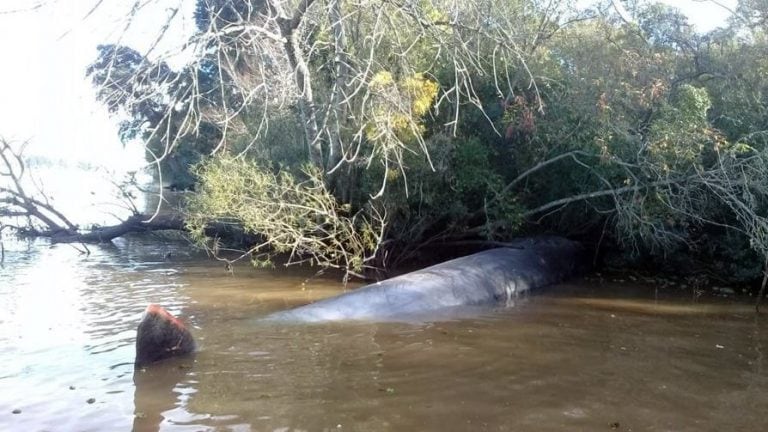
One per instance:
(485, 278)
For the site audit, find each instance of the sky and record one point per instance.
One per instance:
(705, 15)
(46, 98)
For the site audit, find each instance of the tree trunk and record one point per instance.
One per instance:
(337, 111)
(288, 30)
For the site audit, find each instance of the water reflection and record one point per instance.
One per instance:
(159, 390)
(572, 358)
(67, 328)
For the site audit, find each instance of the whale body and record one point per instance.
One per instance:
(491, 277)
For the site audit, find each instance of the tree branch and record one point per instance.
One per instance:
(600, 193)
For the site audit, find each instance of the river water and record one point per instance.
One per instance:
(578, 357)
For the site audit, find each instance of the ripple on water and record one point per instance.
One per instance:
(67, 334)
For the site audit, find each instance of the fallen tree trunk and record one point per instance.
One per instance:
(16, 202)
(42, 219)
(138, 223)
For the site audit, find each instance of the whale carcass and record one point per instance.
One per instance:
(491, 277)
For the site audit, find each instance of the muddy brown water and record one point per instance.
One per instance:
(578, 357)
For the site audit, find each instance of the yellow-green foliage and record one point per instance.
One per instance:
(296, 216)
(432, 13)
(398, 106)
(421, 92)
(381, 80)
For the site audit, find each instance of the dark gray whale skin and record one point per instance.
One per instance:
(488, 278)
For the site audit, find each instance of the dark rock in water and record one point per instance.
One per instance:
(160, 336)
(488, 278)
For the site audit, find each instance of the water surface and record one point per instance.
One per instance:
(575, 357)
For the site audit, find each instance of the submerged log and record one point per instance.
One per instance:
(492, 277)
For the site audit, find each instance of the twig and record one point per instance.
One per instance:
(762, 287)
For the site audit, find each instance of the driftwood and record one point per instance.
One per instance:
(16, 202)
(42, 219)
(137, 223)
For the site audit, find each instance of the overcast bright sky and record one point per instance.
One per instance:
(705, 14)
(45, 97)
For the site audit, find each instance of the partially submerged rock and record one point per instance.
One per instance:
(160, 336)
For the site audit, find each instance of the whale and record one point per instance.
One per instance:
(490, 278)
(494, 277)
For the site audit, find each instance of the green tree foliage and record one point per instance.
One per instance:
(394, 126)
(639, 111)
(297, 215)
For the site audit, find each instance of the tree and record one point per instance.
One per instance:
(358, 79)
(430, 121)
